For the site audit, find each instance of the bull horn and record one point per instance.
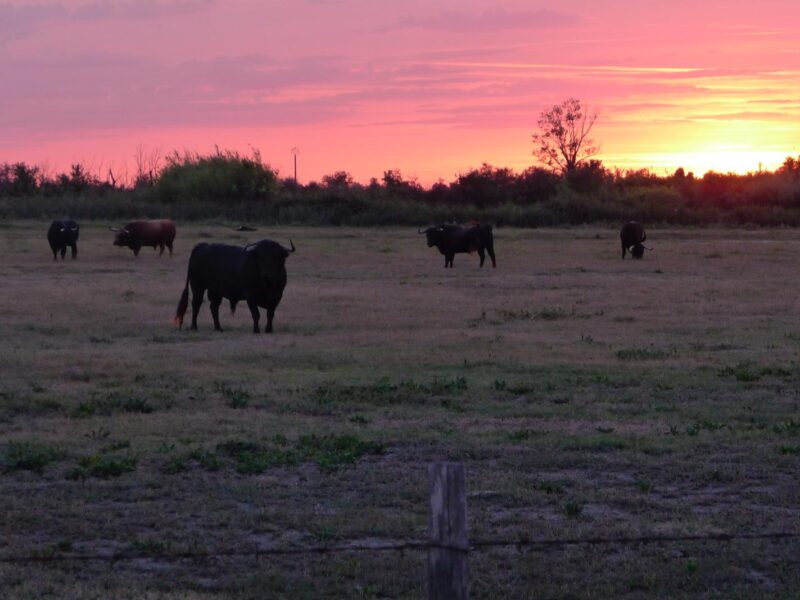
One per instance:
(114, 229)
(126, 230)
(74, 229)
(421, 230)
(647, 247)
(291, 243)
(63, 230)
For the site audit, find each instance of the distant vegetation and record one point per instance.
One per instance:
(232, 187)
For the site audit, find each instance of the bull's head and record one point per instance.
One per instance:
(637, 250)
(123, 237)
(434, 234)
(270, 259)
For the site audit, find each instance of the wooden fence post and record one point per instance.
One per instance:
(448, 571)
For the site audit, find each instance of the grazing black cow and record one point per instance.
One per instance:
(452, 239)
(159, 232)
(632, 237)
(63, 233)
(255, 273)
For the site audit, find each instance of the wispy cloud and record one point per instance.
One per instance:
(487, 21)
(20, 21)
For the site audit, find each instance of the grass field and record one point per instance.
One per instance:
(585, 395)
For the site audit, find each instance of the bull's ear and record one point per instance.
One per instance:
(63, 230)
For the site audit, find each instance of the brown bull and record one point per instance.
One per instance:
(156, 233)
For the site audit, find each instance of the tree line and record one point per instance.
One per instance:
(567, 187)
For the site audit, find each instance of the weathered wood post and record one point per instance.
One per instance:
(448, 570)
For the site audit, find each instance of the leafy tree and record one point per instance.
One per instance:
(18, 179)
(339, 180)
(486, 186)
(791, 167)
(562, 142)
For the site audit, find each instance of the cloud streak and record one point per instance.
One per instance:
(487, 21)
(20, 21)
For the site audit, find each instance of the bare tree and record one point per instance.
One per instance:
(148, 166)
(563, 141)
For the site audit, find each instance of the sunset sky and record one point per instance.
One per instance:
(430, 87)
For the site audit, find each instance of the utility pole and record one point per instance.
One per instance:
(295, 152)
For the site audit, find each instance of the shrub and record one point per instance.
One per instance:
(224, 176)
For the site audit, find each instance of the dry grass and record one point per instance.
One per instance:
(586, 396)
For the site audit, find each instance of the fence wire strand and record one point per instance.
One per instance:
(477, 545)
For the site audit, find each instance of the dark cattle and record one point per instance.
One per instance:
(134, 235)
(632, 237)
(452, 239)
(61, 234)
(255, 273)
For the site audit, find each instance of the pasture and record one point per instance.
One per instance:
(586, 397)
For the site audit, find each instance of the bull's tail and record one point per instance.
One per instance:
(183, 304)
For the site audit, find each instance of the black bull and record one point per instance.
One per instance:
(453, 239)
(632, 237)
(256, 274)
(61, 234)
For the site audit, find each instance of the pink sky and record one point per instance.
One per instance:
(430, 87)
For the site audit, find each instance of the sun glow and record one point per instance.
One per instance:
(700, 162)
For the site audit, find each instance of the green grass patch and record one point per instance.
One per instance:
(334, 450)
(327, 451)
(749, 372)
(234, 395)
(29, 456)
(573, 509)
(543, 314)
(103, 466)
(635, 354)
(601, 442)
(386, 392)
(550, 487)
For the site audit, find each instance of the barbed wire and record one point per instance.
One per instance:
(412, 545)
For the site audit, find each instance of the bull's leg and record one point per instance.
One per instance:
(169, 245)
(623, 251)
(270, 316)
(490, 250)
(448, 259)
(482, 254)
(255, 314)
(136, 250)
(74, 251)
(162, 250)
(63, 252)
(214, 301)
(55, 253)
(197, 301)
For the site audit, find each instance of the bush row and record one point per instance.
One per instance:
(230, 187)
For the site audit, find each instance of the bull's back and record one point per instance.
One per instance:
(157, 231)
(218, 267)
(631, 233)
